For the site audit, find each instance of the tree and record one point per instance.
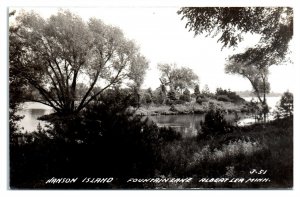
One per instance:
(160, 95)
(17, 86)
(228, 95)
(205, 91)
(253, 66)
(177, 79)
(57, 53)
(197, 92)
(285, 106)
(136, 74)
(137, 71)
(186, 96)
(171, 97)
(149, 91)
(214, 123)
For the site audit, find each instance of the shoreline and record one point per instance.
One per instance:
(191, 108)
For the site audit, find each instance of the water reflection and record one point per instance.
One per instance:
(31, 112)
(187, 125)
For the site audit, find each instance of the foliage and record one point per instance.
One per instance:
(202, 99)
(146, 99)
(159, 95)
(285, 106)
(224, 98)
(274, 24)
(14, 126)
(197, 92)
(149, 94)
(51, 55)
(228, 95)
(255, 70)
(137, 71)
(214, 123)
(17, 87)
(177, 79)
(186, 96)
(171, 97)
(206, 92)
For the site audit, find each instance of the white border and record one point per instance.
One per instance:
(134, 3)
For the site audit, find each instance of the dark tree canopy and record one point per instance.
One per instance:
(53, 55)
(274, 24)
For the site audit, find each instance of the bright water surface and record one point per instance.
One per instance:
(31, 111)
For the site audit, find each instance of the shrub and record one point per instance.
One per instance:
(186, 96)
(201, 100)
(214, 123)
(285, 106)
(196, 92)
(178, 102)
(146, 99)
(228, 95)
(168, 134)
(172, 95)
(159, 97)
(223, 98)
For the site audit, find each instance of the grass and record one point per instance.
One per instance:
(262, 147)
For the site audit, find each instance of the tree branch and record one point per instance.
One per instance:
(82, 104)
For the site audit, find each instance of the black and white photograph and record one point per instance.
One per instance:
(150, 97)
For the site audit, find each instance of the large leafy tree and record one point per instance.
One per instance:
(177, 79)
(254, 66)
(57, 53)
(285, 106)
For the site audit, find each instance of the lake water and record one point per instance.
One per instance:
(31, 111)
(271, 101)
(188, 125)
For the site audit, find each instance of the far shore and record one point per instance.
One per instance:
(190, 108)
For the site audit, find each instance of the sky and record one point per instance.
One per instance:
(162, 38)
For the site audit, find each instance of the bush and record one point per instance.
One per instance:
(196, 92)
(285, 106)
(228, 96)
(214, 123)
(201, 100)
(146, 99)
(186, 96)
(223, 98)
(178, 102)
